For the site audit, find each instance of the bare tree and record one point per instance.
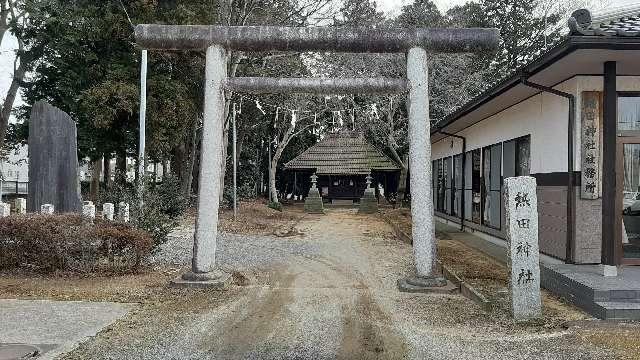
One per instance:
(11, 16)
(286, 131)
(301, 13)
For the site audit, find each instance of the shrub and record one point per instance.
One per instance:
(275, 205)
(69, 242)
(169, 197)
(163, 204)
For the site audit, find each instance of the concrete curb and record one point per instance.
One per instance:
(399, 233)
(466, 290)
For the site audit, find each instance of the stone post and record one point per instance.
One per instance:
(89, 210)
(123, 212)
(521, 217)
(5, 210)
(47, 209)
(423, 232)
(313, 202)
(203, 266)
(21, 206)
(108, 211)
(368, 202)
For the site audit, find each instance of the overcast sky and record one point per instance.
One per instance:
(390, 7)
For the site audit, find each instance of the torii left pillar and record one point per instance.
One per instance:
(204, 272)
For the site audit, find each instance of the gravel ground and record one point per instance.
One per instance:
(235, 251)
(329, 294)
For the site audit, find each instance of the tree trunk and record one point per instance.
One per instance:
(178, 157)
(195, 174)
(108, 181)
(402, 185)
(166, 169)
(187, 181)
(155, 173)
(272, 180)
(7, 104)
(94, 188)
(233, 69)
(121, 169)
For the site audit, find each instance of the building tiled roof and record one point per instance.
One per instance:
(620, 22)
(343, 153)
(615, 22)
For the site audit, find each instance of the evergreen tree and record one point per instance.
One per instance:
(523, 29)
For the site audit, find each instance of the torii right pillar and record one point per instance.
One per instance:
(423, 231)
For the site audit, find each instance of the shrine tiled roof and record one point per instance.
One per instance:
(615, 22)
(343, 153)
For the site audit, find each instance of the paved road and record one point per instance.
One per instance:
(327, 295)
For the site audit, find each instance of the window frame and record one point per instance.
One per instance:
(629, 94)
(469, 186)
(516, 156)
(486, 184)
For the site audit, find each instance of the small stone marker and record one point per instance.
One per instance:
(108, 211)
(89, 210)
(368, 202)
(521, 206)
(123, 212)
(21, 206)
(47, 209)
(5, 210)
(313, 202)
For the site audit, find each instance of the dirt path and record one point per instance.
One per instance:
(329, 294)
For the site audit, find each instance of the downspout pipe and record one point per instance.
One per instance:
(570, 163)
(464, 160)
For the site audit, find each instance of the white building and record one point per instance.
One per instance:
(571, 119)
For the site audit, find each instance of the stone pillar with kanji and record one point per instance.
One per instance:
(521, 217)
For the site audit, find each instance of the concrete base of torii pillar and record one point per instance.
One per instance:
(423, 231)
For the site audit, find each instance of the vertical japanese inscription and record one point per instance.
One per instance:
(590, 132)
(522, 233)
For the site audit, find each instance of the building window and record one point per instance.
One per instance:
(516, 157)
(457, 185)
(491, 185)
(448, 184)
(472, 186)
(628, 112)
(441, 187)
(434, 183)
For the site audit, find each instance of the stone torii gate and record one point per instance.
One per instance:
(217, 40)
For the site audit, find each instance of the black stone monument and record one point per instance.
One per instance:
(53, 160)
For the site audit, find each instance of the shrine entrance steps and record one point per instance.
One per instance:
(616, 297)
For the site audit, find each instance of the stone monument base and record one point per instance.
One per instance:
(213, 280)
(313, 202)
(368, 202)
(432, 285)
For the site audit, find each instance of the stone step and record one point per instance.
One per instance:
(612, 310)
(340, 202)
(626, 295)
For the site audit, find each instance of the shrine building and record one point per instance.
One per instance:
(342, 162)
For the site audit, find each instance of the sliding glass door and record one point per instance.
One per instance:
(628, 179)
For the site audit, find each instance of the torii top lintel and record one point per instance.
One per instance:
(330, 39)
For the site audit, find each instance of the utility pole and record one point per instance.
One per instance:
(143, 115)
(235, 165)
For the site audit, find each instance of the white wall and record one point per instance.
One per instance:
(544, 117)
